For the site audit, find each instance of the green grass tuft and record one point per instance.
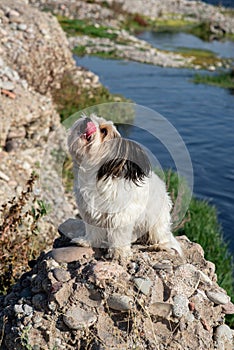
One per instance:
(80, 27)
(224, 80)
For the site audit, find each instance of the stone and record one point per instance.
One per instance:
(180, 306)
(72, 228)
(69, 254)
(18, 308)
(77, 318)
(186, 280)
(218, 297)
(120, 302)
(7, 85)
(143, 284)
(61, 275)
(204, 278)
(104, 270)
(160, 309)
(22, 26)
(224, 337)
(4, 177)
(28, 310)
(165, 267)
(39, 301)
(228, 308)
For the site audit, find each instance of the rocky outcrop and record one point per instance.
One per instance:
(113, 12)
(34, 56)
(74, 298)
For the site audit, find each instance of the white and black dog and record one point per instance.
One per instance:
(118, 195)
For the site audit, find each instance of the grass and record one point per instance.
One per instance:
(223, 80)
(70, 98)
(201, 58)
(75, 27)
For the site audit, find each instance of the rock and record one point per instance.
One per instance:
(28, 310)
(104, 270)
(39, 301)
(22, 26)
(165, 267)
(77, 318)
(61, 275)
(186, 280)
(180, 306)
(72, 228)
(18, 308)
(204, 278)
(120, 302)
(218, 297)
(7, 85)
(143, 284)
(224, 337)
(160, 309)
(69, 254)
(228, 308)
(4, 176)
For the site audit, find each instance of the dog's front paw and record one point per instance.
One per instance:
(119, 253)
(81, 241)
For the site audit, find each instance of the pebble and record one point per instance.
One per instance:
(180, 306)
(165, 267)
(143, 284)
(7, 85)
(72, 228)
(224, 337)
(18, 308)
(77, 318)
(218, 297)
(104, 270)
(61, 275)
(204, 278)
(69, 254)
(120, 302)
(22, 27)
(186, 280)
(28, 310)
(4, 177)
(39, 301)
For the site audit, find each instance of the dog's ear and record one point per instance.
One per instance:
(126, 160)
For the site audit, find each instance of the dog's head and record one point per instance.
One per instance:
(98, 142)
(88, 134)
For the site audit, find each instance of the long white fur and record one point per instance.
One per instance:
(117, 212)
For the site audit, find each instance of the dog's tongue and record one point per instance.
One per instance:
(90, 129)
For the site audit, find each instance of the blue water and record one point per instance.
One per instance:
(226, 3)
(202, 114)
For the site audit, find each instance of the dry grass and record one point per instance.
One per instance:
(20, 241)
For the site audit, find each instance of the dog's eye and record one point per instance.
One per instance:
(104, 131)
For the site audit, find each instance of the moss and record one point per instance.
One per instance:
(224, 80)
(201, 58)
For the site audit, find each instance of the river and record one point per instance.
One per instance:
(202, 114)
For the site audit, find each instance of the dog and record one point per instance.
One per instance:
(119, 197)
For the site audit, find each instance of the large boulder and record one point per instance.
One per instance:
(74, 298)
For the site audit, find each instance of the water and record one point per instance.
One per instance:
(169, 41)
(203, 115)
(226, 3)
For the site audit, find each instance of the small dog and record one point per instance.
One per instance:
(118, 195)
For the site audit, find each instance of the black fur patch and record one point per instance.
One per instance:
(127, 161)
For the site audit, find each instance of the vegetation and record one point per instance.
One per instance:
(200, 57)
(224, 80)
(20, 241)
(80, 27)
(71, 98)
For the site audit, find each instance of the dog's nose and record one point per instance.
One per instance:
(83, 125)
